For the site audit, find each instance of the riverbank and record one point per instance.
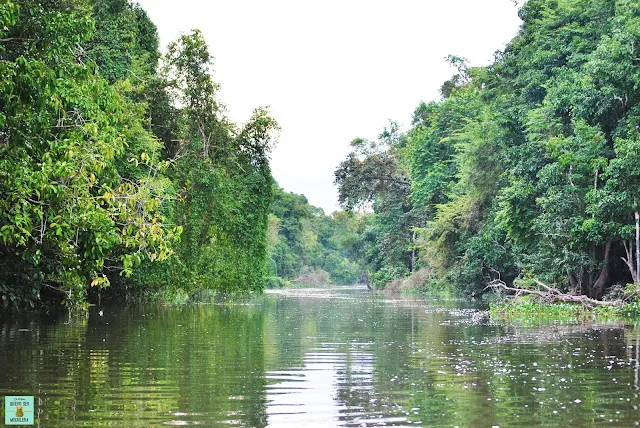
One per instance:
(532, 307)
(545, 304)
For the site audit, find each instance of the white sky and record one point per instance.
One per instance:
(333, 70)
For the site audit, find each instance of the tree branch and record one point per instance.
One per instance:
(15, 39)
(553, 295)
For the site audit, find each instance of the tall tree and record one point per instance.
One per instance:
(222, 179)
(70, 208)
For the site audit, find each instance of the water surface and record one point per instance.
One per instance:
(325, 358)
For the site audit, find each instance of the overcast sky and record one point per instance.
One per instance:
(333, 70)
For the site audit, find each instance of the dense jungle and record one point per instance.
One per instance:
(121, 176)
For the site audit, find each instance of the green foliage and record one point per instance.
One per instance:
(124, 35)
(304, 244)
(73, 209)
(222, 179)
(386, 274)
(560, 207)
(533, 309)
(525, 168)
(89, 196)
(118, 166)
(276, 282)
(375, 175)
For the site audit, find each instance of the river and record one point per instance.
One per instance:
(318, 357)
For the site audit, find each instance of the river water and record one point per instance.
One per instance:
(318, 357)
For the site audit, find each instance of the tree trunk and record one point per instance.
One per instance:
(598, 286)
(583, 282)
(573, 283)
(553, 295)
(628, 249)
(634, 268)
(413, 251)
(637, 215)
(590, 272)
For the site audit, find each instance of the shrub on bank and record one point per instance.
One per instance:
(418, 281)
(535, 307)
(276, 282)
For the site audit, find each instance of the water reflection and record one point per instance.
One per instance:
(318, 358)
(319, 392)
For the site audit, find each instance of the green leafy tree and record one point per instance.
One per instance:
(71, 210)
(304, 239)
(525, 168)
(222, 179)
(374, 175)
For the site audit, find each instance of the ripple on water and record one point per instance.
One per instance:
(321, 357)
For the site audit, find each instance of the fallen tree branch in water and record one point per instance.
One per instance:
(553, 295)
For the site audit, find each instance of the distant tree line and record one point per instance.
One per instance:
(307, 247)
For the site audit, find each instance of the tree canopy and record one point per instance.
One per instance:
(118, 165)
(525, 168)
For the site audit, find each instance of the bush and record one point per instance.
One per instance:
(387, 274)
(417, 281)
(313, 277)
(276, 282)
